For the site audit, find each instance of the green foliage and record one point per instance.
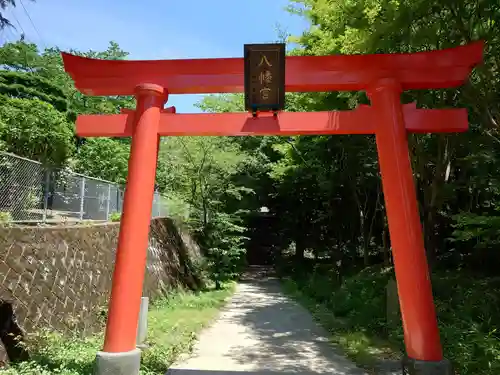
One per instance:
(355, 314)
(172, 327)
(20, 56)
(225, 242)
(25, 57)
(222, 103)
(38, 76)
(174, 324)
(36, 130)
(327, 191)
(332, 182)
(24, 85)
(115, 216)
(324, 193)
(478, 231)
(104, 158)
(177, 207)
(199, 178)
(5, 217)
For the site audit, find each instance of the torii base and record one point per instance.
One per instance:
(416, 367)
(126, 363)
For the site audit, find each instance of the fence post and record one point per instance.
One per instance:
(82, 197)
(119, 200)
(108, 202)
(157, 204)
(142, 326)
(46, 194)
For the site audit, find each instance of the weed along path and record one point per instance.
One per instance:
(261, 331)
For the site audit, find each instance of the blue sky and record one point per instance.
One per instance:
(154, 29)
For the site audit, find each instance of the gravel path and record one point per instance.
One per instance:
(263, 332)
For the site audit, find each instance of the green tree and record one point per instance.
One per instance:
(32, 74)
(25, 57)
(200, 171)
(36, 130)
(103, 158)
(30, 86)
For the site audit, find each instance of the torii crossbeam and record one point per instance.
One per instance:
(382, 76)
(359, 121)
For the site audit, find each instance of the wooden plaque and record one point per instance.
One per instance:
(264, 77)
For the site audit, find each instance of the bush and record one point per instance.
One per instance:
(468, 308)
(5, 217)
(36, 130)
(115, 216)
(173, 323)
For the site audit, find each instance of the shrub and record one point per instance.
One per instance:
(5, 217)
(115, 216)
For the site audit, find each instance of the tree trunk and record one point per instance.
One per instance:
(434, 198)
(385, 247)
(362, 229)
(336, 257)
(300, 249)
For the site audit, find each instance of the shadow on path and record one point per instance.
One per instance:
(261, 331)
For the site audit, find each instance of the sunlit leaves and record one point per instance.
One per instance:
(36, 130)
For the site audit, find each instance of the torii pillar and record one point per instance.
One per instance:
(384, 77)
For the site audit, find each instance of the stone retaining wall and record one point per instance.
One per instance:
(60, 277)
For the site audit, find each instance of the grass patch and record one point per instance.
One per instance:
(172, 327)
(360, 346)
(468, 310)
(174, 324)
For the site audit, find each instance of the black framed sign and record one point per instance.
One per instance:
(264, 77)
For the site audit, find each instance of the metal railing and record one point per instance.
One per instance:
(31, 192)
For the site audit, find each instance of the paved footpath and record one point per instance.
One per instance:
(261, 331)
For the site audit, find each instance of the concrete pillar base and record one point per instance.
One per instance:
(142, 326)
(126, 363)
(415, 367)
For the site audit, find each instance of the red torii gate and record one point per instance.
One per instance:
(382, 76)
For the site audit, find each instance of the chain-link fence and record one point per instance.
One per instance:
(30, 192)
